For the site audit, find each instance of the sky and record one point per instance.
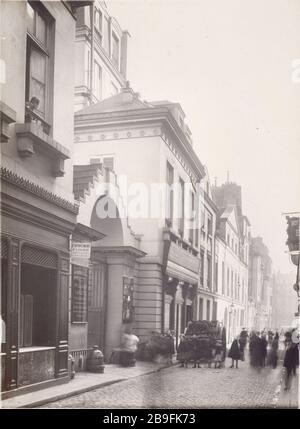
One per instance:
(234, 66)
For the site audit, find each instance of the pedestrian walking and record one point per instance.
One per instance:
(234, 353)
(255, 350)
(273, 355)
(184, 351)
(291, 361)
(264, 349)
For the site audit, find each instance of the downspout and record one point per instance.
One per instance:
(92, 52)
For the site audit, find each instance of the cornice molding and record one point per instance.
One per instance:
(26, 185)
(183, 150)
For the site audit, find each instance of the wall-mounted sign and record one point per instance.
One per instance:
(81, 253)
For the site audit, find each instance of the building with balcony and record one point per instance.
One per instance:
(149, 147)
(231, 249)
(38, 210)
(101, 55)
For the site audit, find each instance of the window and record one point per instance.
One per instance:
(97, 81)
(201, 309)
(228, 281)
(192, 208)
(95, 161)
(208, 310)
(231, 292)
(115, 50)
(181, 207)
(201, 267)
(216, 275)
(38, 58)
(98, 22)
(209, 272)
(79, 294)
(228, 239)
(106, 35)
(209, 224)
(203, 221)
(170, 196)
(223, 278)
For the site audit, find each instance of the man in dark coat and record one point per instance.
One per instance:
(235, 352)
(264, 348)
(291, 361)
(255, 349)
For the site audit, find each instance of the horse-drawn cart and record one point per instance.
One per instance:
(202, 342)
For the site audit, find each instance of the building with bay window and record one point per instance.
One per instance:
(38, 209)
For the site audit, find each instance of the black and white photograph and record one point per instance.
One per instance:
(150, 207)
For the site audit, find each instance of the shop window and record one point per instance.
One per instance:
(37, 301)
(128, 308)
(79, 294)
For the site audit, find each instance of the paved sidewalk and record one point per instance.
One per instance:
(83, 382)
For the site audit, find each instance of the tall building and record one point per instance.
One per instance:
(207, 305)
(260, 285)
(232, 251)
(148, 145)
(38, 210)
(101, 55)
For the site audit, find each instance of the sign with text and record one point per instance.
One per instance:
(81, 253)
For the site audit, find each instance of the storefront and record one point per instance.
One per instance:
(35, 269)
(181, 267)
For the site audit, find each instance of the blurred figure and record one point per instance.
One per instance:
(129, 348)
(264, 349)
(273, 356)
(291, 360)
(255, 350)
(235, 353)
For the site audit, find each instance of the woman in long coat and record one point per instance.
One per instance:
(235, 353)
(273, 356)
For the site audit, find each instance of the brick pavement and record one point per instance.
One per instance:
(177, 387)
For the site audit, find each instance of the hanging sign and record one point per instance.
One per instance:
(81, 253)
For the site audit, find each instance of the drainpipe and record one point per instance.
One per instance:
(92, 52)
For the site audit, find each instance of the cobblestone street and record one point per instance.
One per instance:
(177, 387)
